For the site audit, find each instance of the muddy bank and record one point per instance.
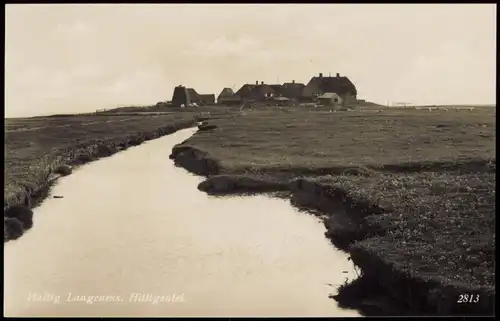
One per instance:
(385, 287)
(241, 184)
(398, 292)
(195, 160)
(344, 214)
(64, 161)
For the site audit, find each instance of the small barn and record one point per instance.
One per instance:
(185, 96)
(329, 99)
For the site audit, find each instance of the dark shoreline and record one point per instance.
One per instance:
(381, 290)
(31, 197)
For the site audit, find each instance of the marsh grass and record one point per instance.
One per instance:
(63, 170)
(316, 141)
(409, 193)
(33, 155)
(12, 229)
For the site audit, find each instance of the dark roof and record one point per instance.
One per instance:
(191, 91)
(207, 98)
(260, 90)
(245, 90)
(340, 85)
(292, 89)
(234, 98)
(226, 92)
(180, 96)
(193, 95)
(278, 89)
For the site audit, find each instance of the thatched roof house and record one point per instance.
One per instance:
(180, 96)
(258, 91)
(262, 92)
(339, 85)
(244, 91)
(185, 96)
(292, 89)
(225, 93)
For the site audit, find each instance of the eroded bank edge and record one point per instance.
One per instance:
(30, 197)
(380, 289)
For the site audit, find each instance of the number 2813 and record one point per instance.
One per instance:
(468, 298)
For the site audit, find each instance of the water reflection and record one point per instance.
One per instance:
(134, 237)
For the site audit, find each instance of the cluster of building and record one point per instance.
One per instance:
(325, 90)
(189, 96)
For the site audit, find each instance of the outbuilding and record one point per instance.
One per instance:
(329, 99)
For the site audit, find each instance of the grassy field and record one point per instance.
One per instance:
(166, 109)
(419, 188)
(35, 147)
(315, 140)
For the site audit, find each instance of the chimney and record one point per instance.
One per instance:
(338, 75)
(293, 81)
(320, 75)
(261, 82)
(256, 82)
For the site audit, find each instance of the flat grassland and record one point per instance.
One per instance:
(418, 186)
(290, 139)
(35, 147)
(423, 183)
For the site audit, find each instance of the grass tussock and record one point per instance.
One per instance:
(12, 229)
(409, 194)
(241, 184)
(63, 170)
(22, 213)
(206, 127)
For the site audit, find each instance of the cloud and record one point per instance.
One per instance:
(87, 57)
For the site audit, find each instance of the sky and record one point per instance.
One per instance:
(71, 58)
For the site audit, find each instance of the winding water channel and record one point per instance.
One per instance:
(132, 236)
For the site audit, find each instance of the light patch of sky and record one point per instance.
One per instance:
(82, 57)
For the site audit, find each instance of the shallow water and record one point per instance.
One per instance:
(132, 228)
